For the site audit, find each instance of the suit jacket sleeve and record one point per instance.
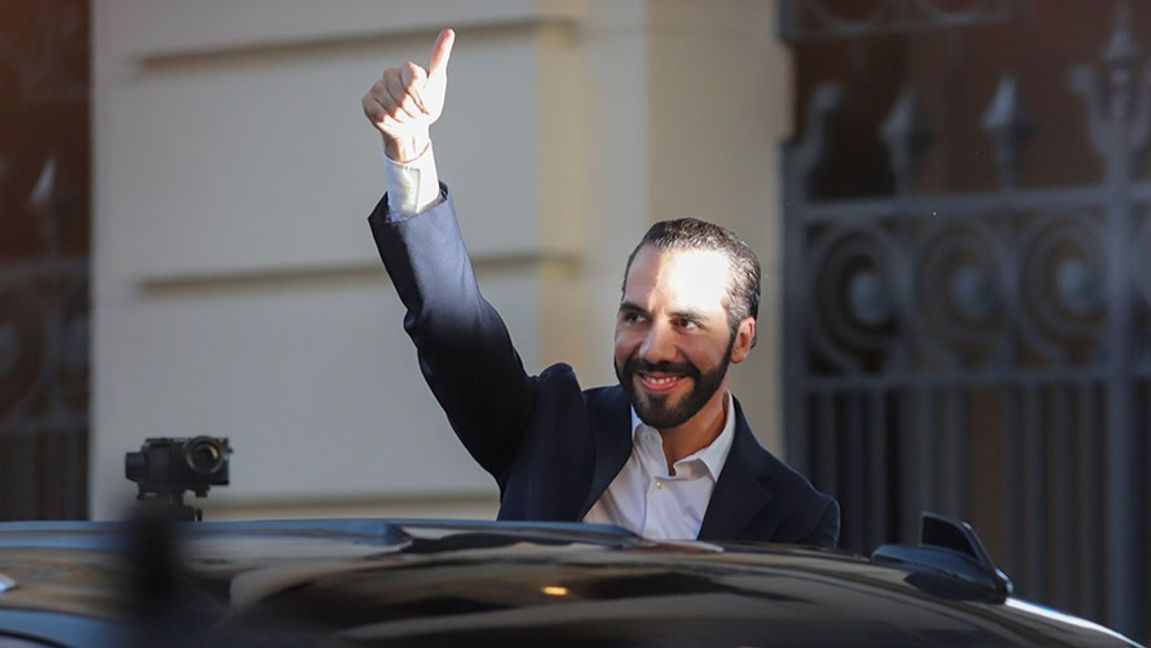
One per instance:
(464, 349)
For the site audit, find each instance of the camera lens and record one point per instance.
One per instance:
(204, 456)
(135, 466)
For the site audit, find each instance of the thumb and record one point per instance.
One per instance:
(441, 52)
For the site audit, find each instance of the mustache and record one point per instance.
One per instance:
(635, 364)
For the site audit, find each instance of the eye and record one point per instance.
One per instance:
(630, 317)
(686, 324)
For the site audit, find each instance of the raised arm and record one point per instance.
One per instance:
(465, 352)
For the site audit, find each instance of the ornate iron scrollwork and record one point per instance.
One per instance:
(1014, 318)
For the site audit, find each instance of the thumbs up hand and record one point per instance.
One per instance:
(407, 100)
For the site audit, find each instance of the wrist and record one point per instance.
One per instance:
(406, 148)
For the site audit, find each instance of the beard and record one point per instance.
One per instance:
(659, 411)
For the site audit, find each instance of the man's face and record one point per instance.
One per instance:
(673, 340)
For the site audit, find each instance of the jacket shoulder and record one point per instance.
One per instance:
(608, 400)
(808, 516)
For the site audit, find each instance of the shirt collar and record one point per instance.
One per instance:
(714, 456)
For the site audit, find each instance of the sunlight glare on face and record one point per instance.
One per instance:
(679, 279)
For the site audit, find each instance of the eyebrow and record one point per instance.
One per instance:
(631, 307)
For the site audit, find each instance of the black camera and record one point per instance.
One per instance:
(165, 468)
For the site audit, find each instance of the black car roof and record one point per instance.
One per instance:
(439, 582)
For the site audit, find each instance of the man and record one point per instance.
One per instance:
(667, 453)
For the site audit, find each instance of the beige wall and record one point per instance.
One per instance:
(720, 107)
(238, 294)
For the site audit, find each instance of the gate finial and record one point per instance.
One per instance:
(907, 133)
(1119, 116)
(808, 152)
(1009, 126)
(1122, 49)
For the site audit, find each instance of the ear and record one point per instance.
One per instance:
(744, 339)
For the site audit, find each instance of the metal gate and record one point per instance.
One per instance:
(985, 355)
(44, 244)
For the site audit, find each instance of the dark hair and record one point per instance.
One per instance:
(695, 234)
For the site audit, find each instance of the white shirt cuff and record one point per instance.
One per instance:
(413, 186)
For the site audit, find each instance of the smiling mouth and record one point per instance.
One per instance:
(659, 382)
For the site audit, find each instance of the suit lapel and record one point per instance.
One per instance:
(740, 493)
(611, 423)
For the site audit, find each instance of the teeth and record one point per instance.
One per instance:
(660, 381)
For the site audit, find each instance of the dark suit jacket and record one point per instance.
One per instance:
(553, 447)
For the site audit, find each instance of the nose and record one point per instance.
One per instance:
(658, 344)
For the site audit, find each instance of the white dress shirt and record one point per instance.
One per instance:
(644, 497)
